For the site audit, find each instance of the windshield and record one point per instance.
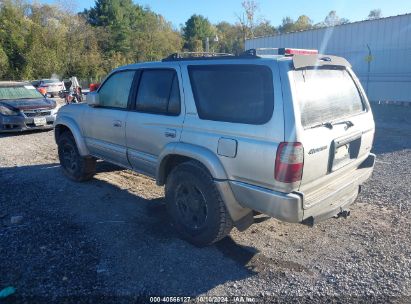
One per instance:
(19, 92)
(326, 95)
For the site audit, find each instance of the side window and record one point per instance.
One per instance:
(233, 93)
(158, 92)
(115, 91)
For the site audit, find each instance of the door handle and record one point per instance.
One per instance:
(117, 124)
(170, 133)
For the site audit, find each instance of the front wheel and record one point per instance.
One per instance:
(75, 166)
(195, 206)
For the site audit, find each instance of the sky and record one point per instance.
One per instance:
(178, 11)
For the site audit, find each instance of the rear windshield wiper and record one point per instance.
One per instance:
(330, 125)
(347, 122)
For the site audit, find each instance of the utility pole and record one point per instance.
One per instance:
(215, 39)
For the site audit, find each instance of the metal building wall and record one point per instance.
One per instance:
(388, 38)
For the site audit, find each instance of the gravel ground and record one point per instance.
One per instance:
(109, 241)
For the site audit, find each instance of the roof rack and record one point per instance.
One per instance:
(197, 56)
(251, 53)
(259, 51)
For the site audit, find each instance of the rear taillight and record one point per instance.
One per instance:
(289, 162)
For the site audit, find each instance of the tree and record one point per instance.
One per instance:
(155, 38)
(117, 17)
(230, 38)
(303, 23)
(247, 20)
(332, 19)
(39, 40)
(287, 25)
(4, 63)
(195, 32)
(264, 28)
(128, 32)
(250, 9)
(374, 14)
(45, 40)
(14, 29)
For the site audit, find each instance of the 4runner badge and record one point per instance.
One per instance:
(315, 150)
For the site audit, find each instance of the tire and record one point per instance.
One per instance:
(75, 166)
(195, 206)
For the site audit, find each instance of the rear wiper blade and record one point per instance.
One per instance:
(349, 123)
(328, 125)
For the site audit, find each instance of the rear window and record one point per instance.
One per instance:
(325, 95)
(233, 93)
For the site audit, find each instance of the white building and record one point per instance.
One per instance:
(385, 75)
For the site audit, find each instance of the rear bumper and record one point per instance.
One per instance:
(19, 123)
(289, 207)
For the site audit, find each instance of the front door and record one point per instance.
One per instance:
(105, 125)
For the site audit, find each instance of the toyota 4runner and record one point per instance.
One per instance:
(287, 135)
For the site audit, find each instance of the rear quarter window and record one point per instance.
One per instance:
(233, 93)
(326, 95)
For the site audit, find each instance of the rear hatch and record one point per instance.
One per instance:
(334, 124)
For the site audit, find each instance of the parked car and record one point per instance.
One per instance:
(287, 135)
(36, 83)
(53, 86)
(23, 108)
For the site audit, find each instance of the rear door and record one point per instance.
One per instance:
(156, 118)
(334, 122)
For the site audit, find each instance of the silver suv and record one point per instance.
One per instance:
(288, 135)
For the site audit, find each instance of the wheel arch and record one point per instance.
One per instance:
(67, 124)
(176, 153)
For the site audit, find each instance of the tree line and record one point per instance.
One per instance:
(41, 40)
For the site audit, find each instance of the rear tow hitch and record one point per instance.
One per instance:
(311, 221)
(343, 213)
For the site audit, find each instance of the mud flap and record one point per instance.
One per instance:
(245, 222)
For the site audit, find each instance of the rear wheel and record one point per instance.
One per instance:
(195, 206)
(75, 166)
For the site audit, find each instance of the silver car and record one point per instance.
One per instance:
(288, 135)
(52, 86)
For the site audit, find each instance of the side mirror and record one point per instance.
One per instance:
(93, 99)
